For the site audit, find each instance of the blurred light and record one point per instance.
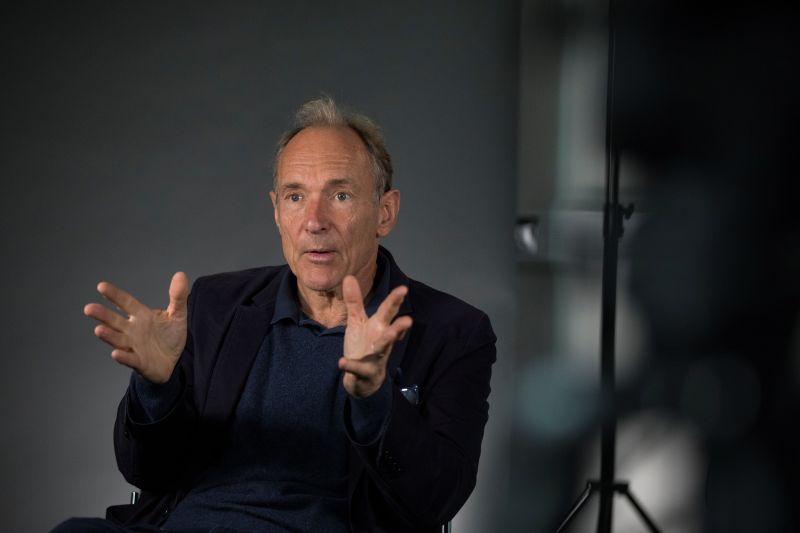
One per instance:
(662, 459)
(555, 402)
(526, 236)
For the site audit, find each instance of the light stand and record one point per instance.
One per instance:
(614, 215)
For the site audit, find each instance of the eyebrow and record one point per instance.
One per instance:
(338, 182)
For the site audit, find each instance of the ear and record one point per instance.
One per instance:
(274, 199)
(388, 209)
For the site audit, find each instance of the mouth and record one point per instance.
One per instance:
(320, 255)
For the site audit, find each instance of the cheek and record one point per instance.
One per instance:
(359, 227)
(287, 223)
(286, 232)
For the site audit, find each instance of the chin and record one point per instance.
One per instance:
(318, 281)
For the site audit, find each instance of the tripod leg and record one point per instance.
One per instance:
(640, 510)
(582, 499)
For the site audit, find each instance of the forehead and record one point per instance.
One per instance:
(324, 152)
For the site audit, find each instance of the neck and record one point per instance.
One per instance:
(328, 307)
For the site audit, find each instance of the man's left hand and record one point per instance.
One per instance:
(368, 341)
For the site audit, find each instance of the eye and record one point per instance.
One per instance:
(293, 197)
(342, 196)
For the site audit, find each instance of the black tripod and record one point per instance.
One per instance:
(607, 486)
(614, 215)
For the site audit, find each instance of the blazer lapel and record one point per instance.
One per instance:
(249, 326)
(396, 278)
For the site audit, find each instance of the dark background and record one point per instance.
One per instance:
(137, 141)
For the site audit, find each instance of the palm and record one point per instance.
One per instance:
(364, 337)
(149, 341)
(157, 338)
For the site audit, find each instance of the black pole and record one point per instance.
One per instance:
(607, 367)
(611, 235)
(613, 217)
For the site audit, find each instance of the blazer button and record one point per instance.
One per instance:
(165, 512)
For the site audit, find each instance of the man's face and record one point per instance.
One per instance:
(325, 208)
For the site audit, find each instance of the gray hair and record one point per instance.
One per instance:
(325, 112)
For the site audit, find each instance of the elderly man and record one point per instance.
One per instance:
(330, 394)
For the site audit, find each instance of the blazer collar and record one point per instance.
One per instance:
(397, 278)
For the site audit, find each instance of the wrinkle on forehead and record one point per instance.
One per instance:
(328, 150)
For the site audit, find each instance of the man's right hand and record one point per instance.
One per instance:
(149, 341)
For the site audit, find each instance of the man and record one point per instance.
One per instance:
(329, 394)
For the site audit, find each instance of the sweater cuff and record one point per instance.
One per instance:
(369, 416)
(151, 401)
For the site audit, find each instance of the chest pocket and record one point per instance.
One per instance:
(411, 394)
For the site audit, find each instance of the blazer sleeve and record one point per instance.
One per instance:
(425, 463)
(156, 456)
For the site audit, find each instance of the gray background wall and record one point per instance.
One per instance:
(136, 141)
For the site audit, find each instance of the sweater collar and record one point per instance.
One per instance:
(287, 303)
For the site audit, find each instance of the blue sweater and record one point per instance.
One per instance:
(284, 466)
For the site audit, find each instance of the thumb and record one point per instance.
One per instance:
(178, 293)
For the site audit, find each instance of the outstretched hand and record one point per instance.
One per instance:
(149, 341)
(368, 341)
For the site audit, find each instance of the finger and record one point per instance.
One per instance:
(126, 357)
(112, 337)
(399, 327)
(120, 298)
(406, 329)
(390, 335)
(178, 293)
(106, 316)
(391, 305)
(353, 300)
(360, 369)
(371, 358)
(383, 346)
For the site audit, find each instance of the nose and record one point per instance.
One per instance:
(316, 219)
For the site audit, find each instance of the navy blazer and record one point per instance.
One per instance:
(414, 477)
